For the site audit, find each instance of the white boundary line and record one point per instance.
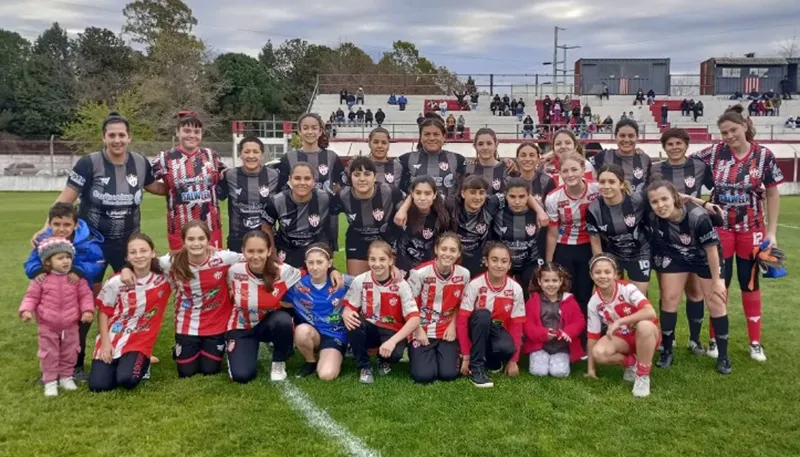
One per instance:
(318, 419)
(788, 226)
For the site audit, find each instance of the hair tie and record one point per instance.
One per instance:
(317, 249)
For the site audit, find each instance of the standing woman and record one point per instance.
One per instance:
(427, 219)
(528, 155)
(686, 245)
(617, 224)
(248, 188)
(568, 242)
(743, 173)
(445, 168)
(109, 184)
(387, 171)
(302, 213)
(687, 174)
(191, 175)
(369, 207)
(494, 171)
(564, 141)
(635, 163)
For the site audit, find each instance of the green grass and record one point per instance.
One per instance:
(692, 410)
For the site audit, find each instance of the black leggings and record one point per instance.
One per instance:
(524, 277)
(492, 345)
(198, 354)
(83, 332)
(575, 259)
(369, 336)
(126, 371)
(744, 273)
(242, 345)
(437, 360)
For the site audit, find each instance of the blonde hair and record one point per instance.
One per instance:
(574, 156)
(384, 246)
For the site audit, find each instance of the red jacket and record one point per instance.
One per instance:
(573, 323)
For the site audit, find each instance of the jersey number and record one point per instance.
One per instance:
(758, 237)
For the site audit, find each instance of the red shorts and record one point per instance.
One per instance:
(175, 241)
(630, 338)
(739, 243)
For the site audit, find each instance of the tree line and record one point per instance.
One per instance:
(156, 66)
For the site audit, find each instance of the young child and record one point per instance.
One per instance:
(632, 334)
(58, 304)
(379, 313)
(438, 286)
(129, 320)
(490, 320)
(553, 325)
(88, 262)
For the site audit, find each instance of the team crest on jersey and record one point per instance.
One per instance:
(689, 181)
(132, 180)
(507, 308)
(427, 233)
(754, 173)
(665, 262)
(313, 220)
(231, 345)
(444, 166)
(480, 228)
(530, 229)
(389, 177)
(448, 180)
(351, 216)
(457, 294)
(377, 214)
(638, 173)
(393, 301)
(323, 170)
(263, 191)
(685, 239)
(218, 275)
(496, 184)
(503, 229)
(630, 220)
(394, 288)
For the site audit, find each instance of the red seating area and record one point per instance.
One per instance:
(696, 134)
(452, 105)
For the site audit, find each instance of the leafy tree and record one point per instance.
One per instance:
(14, 51)
(248, 91)
(104, 64)
(147, 19)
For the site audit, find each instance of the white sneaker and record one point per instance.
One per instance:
(147, 374)
(67, 384)
(757, 352)
(51, 389)
(278, 372)
(712, 350)
(630, 374)
(641, 387)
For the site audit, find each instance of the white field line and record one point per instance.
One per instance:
(788, 226)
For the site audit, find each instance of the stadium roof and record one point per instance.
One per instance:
(749, 60)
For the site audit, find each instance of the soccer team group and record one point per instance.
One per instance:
(464, 263)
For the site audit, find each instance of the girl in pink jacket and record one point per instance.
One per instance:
(57, 304)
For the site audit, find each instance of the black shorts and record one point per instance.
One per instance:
(356, 247)
(329, 342)
(636, 270)
(294, 257)
(114, 255)
(235, 244)
(672, 265)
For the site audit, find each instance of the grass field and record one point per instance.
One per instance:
(692, 411)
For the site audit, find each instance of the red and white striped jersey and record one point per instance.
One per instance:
(569, 214)
(203, 305)
(438, 298)
(135, 313)
(388, 306)
(626, 301)
(506, 303)
(251, 301)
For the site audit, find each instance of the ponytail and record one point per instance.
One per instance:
(180, 260)
(735, 114)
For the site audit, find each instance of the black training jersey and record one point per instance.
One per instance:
(415, 247)
(684, 241)
(110, 195)
(496, 176)
(687, 178)
(636, 167)
(299, 224)
(369, 219)
(621, 227)
(247, 194)
(445, 167)
(388, 172)
(474, 228)
(518, 231)
(541, 185)
(325, 163)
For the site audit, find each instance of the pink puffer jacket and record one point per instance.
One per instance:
(57, 303)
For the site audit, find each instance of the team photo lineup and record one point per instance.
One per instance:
(479, 267)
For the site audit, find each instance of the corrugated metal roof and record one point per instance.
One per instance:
(617, 59)
(749, 60)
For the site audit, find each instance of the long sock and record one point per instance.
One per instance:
(751, 302)
(668, 322)
(629, 361)
(720, 325)
(694, 314)
(643, 369)
(711, 334)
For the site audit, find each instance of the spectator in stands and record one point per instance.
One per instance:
(343, 96)
(697, 110)
(768, 95)
(513, 105)
(786, 88)
(753, 95)
(340, 117)
(790, 122)
(737, 96)
(461, 126)
(351, 118)
(368, 117)
(473, 101)
(332, 118)
(450, 125)
(576, 111)
(520, 112)
(420, 118)
(587, 113)
(506, 102)
(380, 116)
(392, 99)
(752, 108)
(547, 104)
(527, 127)
(700, 107)
(360, 95)
(566, 103)
(691, 107)
(769, 108)
(664, 114)
(497, 102)
(557, 111)
(639, 97)
(776, 103)
(470, 86)
(493, 108)
(651, 97)
(684, 107)
(797, 122)
(460, 96)
(761, 108)
(608, 124)
(360, 116)
(521, 104)
(604, 91)
(351, 101)
(624, 116)
(443, 108)
(401, 102)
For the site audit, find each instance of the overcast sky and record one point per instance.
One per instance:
(467, 36)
